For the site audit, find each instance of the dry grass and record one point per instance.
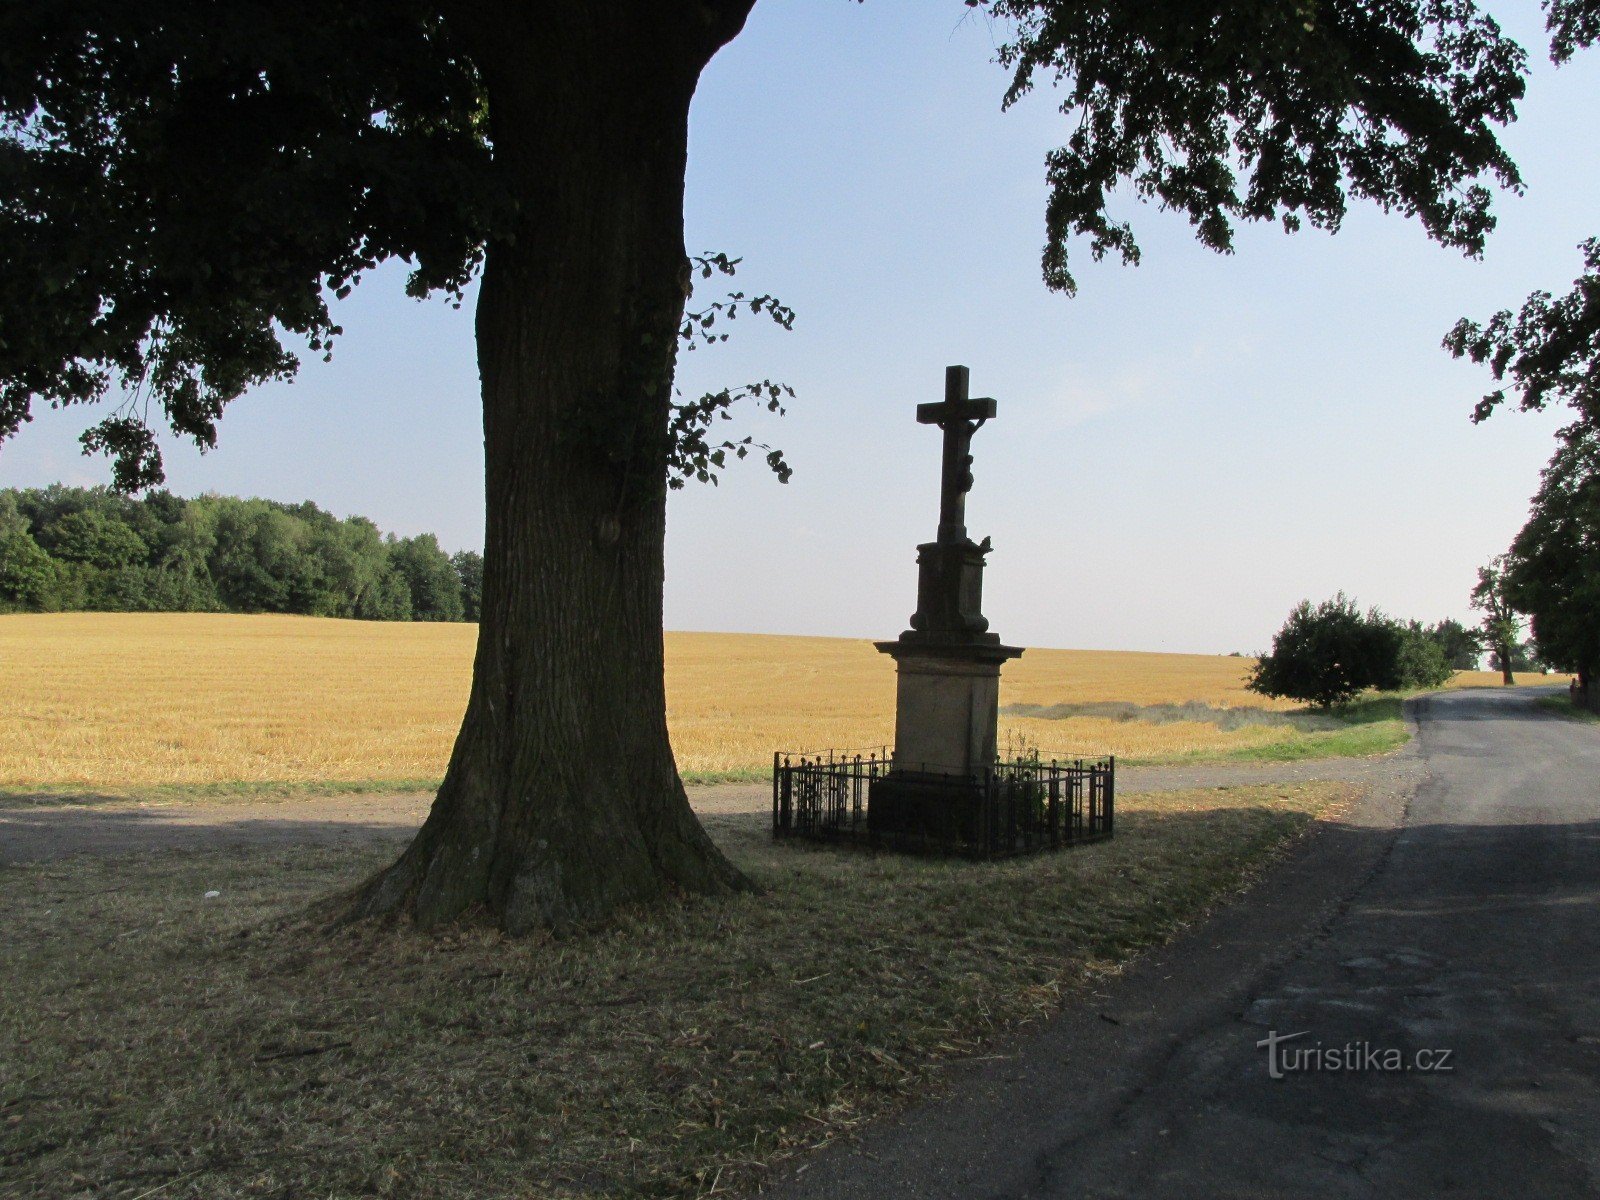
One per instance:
(154, 1041)
(142, 699)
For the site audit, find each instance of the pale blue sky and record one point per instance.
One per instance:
(1183, 451)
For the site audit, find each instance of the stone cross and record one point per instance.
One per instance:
(959, 417)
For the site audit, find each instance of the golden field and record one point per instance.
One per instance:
(129, 699)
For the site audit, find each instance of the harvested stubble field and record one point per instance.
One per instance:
(122, 700)
(154, 1041)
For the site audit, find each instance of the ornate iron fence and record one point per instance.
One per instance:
(824, 796)
(1023, 806)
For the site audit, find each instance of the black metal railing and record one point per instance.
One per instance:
(1021, 806)
(824, 795)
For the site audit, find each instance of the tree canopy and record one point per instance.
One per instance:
(183, 184)
(1266, 111)
(1547, 352)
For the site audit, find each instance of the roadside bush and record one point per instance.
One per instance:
(1330, 653)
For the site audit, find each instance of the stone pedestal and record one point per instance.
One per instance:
(946, 711)
(947, 704)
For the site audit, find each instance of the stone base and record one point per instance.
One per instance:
(917, 811)
(947, 705)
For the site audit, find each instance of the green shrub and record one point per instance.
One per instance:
(1330, 654)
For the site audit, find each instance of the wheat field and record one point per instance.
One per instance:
(129, 699)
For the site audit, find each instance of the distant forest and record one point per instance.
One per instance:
(68, 549)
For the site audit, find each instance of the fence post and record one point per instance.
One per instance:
(1111, 793)
(1055, 806)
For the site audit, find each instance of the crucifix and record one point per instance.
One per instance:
(948, 663)
(959, 417)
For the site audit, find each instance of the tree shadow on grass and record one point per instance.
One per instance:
(48, 830)
(639, 1059)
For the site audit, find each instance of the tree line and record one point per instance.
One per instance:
(1329, 653)
(65, 549)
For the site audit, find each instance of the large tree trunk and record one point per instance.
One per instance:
(562, 801)
(1507, 679)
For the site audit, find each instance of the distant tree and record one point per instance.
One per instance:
(1502, 627)
(389, 601)
(43, 507)
(1553, 569)
(1329, 654)
(351, 563)
(1421, 661)
(259, 562)
(1527, 656)
(96, 538)
(164, 553)
(469, 567)
(27, 574)
(1459, 645)
(150, 516)
(184, 544)
(430, 577)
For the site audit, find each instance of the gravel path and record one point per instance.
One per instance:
(50, 826)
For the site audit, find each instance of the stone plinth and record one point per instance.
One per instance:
(947, 703)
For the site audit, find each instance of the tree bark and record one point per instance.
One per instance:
(562, 801)
(1507, 679)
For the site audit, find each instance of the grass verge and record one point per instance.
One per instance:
(153, 1040)
(1563, 706)
(1363, 728)
(1371, 725)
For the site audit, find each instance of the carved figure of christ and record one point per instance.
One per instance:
(959, 417)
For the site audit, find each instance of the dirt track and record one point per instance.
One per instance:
(50, 826)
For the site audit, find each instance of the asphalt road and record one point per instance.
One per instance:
(1458, 912)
